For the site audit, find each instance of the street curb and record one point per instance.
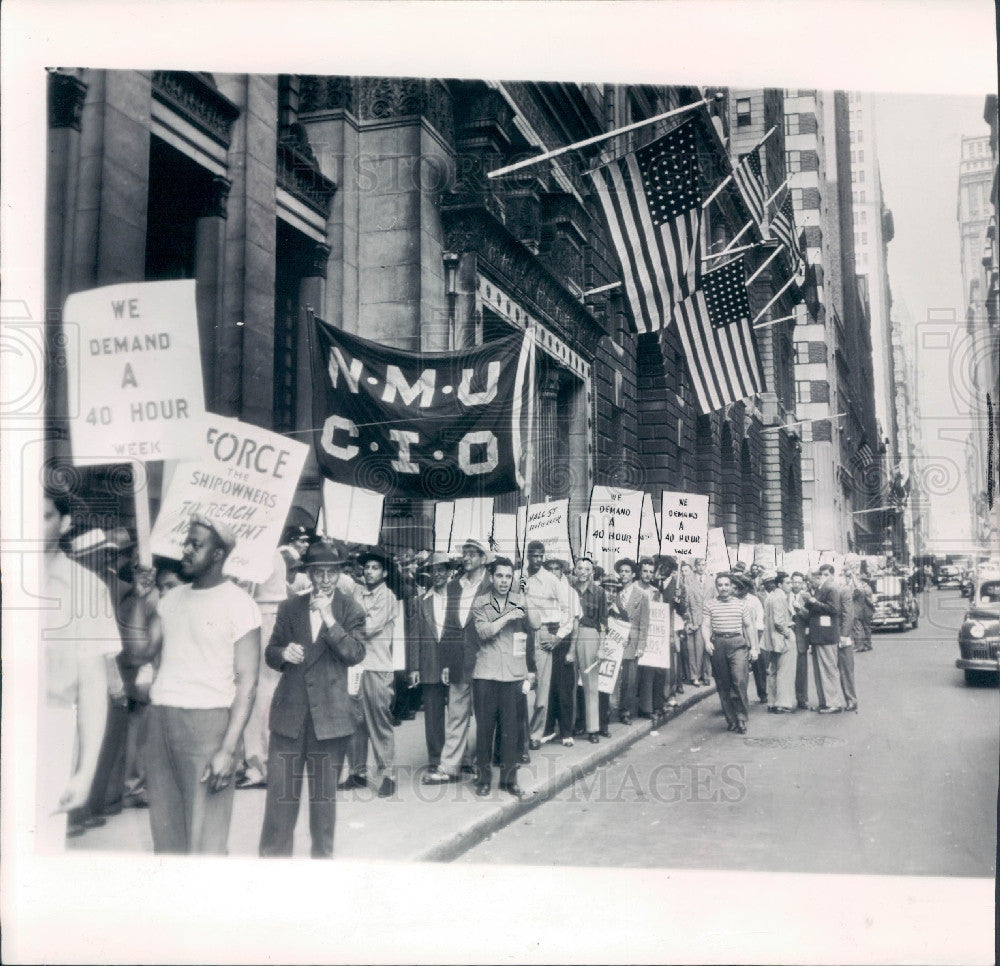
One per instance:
(459, 842)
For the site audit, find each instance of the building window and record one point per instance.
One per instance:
(791, 124)
(861, 176)
(797, 198)
(861, 197)
(854, 176)
(861, 136)
(743, 112)
(793, 161)
(861, 157)
(803, 391)
(801, 353)
(808, 469)
(806, 435)
(864, 238)
(862, 216)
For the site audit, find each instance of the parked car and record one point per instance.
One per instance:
(979, 635)
(967, 583)
(895, 605)
(949, 576)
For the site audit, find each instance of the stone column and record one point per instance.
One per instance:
(66, 96)
(546, 448)
(312, 287)
(209, 245)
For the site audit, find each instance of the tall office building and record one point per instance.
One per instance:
(873, 230)
(833, 369)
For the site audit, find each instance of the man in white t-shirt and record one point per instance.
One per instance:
(208, 636)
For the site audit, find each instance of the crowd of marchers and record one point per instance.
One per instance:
(188, 685)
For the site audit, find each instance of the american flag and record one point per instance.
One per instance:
(748, 175)
(865, 454)
(652, 201)
(718, 341)
(783, 226)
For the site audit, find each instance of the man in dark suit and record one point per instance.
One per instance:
(316, 638)
(431, 657)
(824, 605)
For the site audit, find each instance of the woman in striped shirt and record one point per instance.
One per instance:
(730, 635)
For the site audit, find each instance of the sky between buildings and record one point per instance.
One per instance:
(919, 146)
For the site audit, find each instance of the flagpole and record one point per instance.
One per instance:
(718, 188)
(529, 463)
(767, 261)
(781, 188)
(764, 325)
(599, 137)
(777, 296)
(801, 422)
(601, 288)
(732, 251)
(737, 237)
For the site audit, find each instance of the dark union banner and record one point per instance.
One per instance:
(433, 425)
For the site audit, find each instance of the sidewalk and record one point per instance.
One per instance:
(420, 823)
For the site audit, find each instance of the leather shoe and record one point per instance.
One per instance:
(534, 744)
(512, 788)
(626, 719)
(830, 710)
(592, 738)
(525, 759)
(604, 734)
(483, 789)
(851, 707)
(741, 729)
(388, 788)
(353, 781)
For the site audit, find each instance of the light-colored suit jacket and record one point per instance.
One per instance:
(637, 613)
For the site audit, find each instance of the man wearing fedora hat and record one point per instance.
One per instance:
(207, 634)
(376, 694)
(435, 662)
(316, 638)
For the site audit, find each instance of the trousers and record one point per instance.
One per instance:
(588, 641)
(447, 715)
(184, 815)
(543, 672)
(562, 710)
(845, 666)
(496, 707)
(730, 662)
(827, 676)
(651, 686)
(376, 727)
(628, 687)
(288, 760)
(759, 668)
(801, 668)
(781, 670)
(694, 651)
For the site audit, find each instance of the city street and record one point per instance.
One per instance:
(907, 786)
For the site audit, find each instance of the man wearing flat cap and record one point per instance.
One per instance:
(316, 638)
(207, 634)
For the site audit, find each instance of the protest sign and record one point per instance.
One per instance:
(351, 513)
(649, 529)
(134, 373)
(245, 477)
(796, 560)
(814, 558)
(717, 561)
(765, 556)
(657, 653)
(505, 534)
(613, 524)
(548, 522)
(609, 656)
(684, 525)
(444, 513)
(745, 553)
(472, 520)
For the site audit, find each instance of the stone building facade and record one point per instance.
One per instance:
(365, 201)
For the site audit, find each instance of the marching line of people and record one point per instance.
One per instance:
(264, 686)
